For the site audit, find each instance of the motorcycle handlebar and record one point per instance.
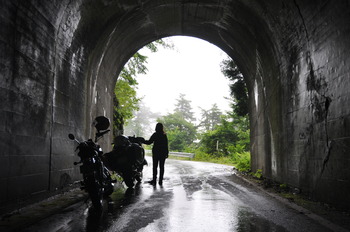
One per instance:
(76, 163)
(99, 134)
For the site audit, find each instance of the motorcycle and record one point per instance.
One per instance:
(127, 159)
(97, 181)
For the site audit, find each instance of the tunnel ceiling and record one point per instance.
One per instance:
(119, 28)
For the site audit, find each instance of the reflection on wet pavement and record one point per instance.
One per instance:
(197, 206)
(195, 197)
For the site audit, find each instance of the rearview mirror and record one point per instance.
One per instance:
(71, 136)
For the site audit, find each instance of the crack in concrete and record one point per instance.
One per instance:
(321, 109)
(302, 19)
(329, 144)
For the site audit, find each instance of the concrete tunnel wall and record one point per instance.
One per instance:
(60, 60)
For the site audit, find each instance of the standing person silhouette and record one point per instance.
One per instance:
(160, 152)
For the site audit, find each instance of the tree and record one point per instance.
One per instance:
(238, 86)
(126, 101)
(210, 118)
(139, 125)
(181, 133)
(233, 131)
(183, 107)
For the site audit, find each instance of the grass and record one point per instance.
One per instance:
(239, 160)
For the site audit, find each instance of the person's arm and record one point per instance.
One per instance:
(167, 146)
(150, 141)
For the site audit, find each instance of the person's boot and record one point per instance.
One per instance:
(160, 182)
(152, 182)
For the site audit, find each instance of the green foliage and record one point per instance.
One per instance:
(230, 136)
(283, 186)
(238, 86)
(228, 143)
(241, 161)
(176, 140)
(165, 43)
(258, 174)
(125, 101)
(180, 132)
(210, 118)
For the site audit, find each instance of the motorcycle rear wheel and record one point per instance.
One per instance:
(139, 176)
(129, 182)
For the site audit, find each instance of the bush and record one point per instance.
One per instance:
(242, 161)
(202, 156)
(257, 174)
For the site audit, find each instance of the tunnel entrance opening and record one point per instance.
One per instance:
(248, 40)
(187, 86)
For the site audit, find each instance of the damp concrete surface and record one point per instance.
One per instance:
(195, 196)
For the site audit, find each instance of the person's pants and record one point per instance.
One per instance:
(161, 162)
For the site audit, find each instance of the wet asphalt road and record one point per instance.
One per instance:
(195, 196)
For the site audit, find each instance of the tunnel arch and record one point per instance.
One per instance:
(231, 26)
(61, 59)
(239, 39)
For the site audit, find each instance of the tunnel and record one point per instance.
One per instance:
(60, 61)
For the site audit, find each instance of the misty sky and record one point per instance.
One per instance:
(192, 68)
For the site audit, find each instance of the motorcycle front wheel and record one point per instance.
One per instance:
(129, 182)
(95, 193)
(108, 190)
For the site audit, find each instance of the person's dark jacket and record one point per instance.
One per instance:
(160, 145)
